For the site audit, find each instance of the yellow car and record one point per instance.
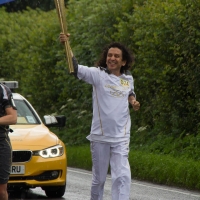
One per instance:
(39, 156)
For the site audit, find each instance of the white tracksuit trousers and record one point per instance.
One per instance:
(117, 155)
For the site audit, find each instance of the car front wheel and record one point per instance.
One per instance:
(55, 191)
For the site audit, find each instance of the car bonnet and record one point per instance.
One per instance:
(32, 137)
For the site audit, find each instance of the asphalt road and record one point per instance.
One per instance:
(78, 188)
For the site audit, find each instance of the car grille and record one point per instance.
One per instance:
(21, 156)
(48, 175)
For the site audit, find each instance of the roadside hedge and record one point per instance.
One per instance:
(163, 34)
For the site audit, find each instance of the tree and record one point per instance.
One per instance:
(21, 5)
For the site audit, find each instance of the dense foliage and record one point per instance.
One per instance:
(163, 34)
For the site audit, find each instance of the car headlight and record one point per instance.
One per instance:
(51, 152)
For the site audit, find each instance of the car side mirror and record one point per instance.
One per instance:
(55, 121)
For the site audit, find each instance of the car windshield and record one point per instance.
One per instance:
(25, 115)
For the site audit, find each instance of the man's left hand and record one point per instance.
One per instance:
(135, 104)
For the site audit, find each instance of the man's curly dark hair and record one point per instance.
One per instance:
(126, 56)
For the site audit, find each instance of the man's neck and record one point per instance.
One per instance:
(116, 73)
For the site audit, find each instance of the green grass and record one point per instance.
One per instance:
(79, 156)
(162, 169)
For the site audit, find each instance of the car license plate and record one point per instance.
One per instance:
(17, 169)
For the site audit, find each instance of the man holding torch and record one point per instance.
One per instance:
(113, 90)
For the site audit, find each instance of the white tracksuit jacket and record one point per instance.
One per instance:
(111, 118)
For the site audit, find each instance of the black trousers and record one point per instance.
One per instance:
(5, 159)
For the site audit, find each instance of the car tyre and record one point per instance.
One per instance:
(55, 191)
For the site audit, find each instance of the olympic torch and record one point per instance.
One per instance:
(60, 7)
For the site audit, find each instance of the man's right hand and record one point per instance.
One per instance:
(64, 37)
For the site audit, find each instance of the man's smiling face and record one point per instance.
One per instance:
(114, 60)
